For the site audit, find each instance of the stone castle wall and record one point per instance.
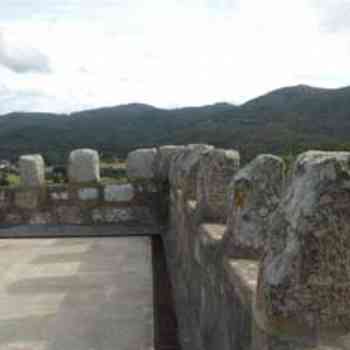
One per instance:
(84, 200)
(257, 261)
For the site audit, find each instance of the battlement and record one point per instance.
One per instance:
(84, 200)
(259, 259)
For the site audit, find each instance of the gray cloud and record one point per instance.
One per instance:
(24, 59)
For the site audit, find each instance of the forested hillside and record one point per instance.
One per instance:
(284, 121)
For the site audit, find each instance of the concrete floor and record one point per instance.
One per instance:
(76, 294)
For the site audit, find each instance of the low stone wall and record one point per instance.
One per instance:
(83, 201)
(257, 261)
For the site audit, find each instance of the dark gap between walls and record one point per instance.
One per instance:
(165, 322)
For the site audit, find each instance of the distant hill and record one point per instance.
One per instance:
(284, 121)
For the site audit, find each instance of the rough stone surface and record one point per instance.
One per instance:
(62, 195)
(69, 215)
(84, 166)
(215, 172)
(164, 156)
(40, 218)
(255, 193)
(32, 170)
(26, 199)
(119, 193)
(304, 278)
(85, 194)
(184, 168)
(140, 164)
(112, 215)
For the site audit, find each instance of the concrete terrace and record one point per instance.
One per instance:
(76, 293)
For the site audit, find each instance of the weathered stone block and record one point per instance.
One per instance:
(111, 215)
(40, 218)
(59, 195)
(184, 168)
(13, 218)
(27, 199)
(88, 194)
(255, 193)
(84, 166)
(215, 173)
(119, 193)
(140, 164)
(32, 170)
(69, 215)
(304, 278)
(164, 156)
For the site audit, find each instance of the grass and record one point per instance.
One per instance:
(13, 179)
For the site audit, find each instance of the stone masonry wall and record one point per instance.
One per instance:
(257, 261)
(83, 201)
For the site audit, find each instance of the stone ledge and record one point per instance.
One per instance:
(208, 243)
(71, 230)
(211, 234)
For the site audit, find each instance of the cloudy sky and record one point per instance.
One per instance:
(66, 55)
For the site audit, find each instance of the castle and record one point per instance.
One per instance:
(258, 256)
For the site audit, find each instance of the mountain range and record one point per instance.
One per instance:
(284, 121)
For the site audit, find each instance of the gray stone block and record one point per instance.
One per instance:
(119, 193)
(86, 194)
(32, 170)
(140, 164)
(184, 168)
(255, 192)
(304, 288)
(216, 169)
(84, 166)
(164, 156)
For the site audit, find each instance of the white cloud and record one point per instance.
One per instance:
(175, 52)
(22, 59)
(334, 14)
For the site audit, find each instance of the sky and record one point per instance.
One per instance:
(68, 55)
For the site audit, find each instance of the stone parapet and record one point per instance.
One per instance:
(267, 268)
(257, 261)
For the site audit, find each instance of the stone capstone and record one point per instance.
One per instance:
(184, 168)
(84, 166)
(164, 156)
(215, 172)
(32, 170)
(304, 278)
(140, 164)
(255, 193)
